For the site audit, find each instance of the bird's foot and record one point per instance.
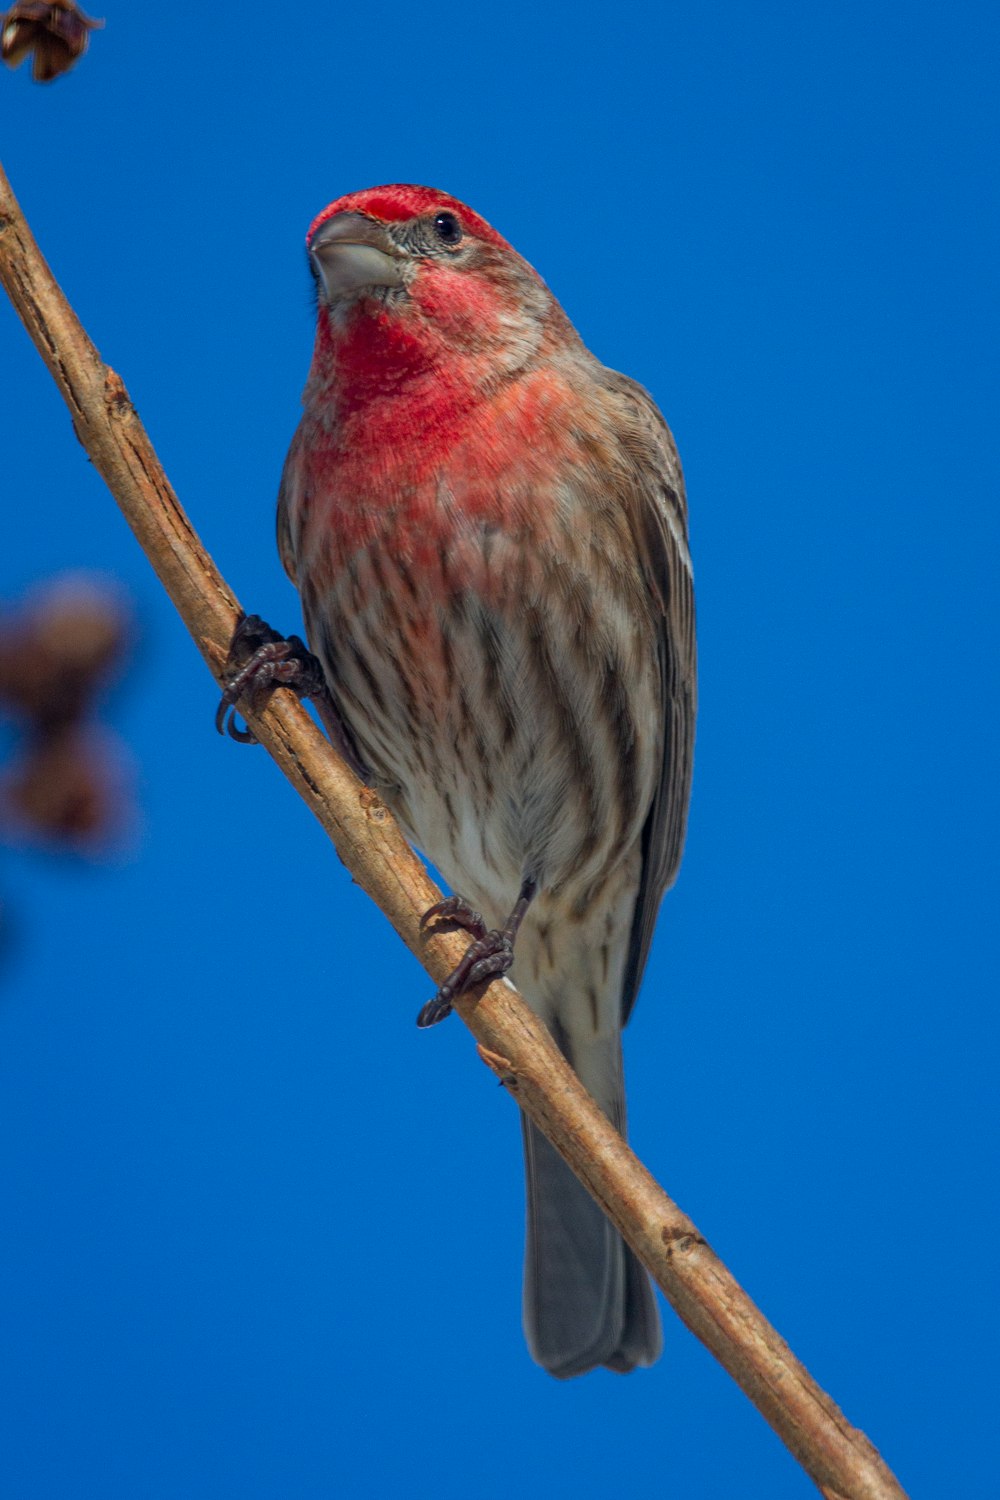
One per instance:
(459, 912)
(260, 660)
(489, 956)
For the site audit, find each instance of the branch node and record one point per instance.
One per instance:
(681, 1241)
(372, 805)
(501, 1066)
(115, 395)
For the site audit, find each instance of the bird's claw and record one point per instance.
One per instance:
(457, 910)
(260, 660)
(489, 956)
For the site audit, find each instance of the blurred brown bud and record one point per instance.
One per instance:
(59, 650)
(65, 790)
(57, 33)
(57, 653)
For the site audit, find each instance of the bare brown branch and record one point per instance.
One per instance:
(839, 1458)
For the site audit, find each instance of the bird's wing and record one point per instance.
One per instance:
(286, 501)
(657, 512)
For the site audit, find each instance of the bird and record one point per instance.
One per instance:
(488, 532)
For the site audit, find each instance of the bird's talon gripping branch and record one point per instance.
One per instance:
(260, 660)
(435, 1010)
(457, 910)
(487, 958)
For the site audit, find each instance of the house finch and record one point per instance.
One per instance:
(488, 531)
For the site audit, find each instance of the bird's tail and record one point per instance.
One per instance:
(587, 1300)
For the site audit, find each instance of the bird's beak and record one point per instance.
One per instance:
(353, 253)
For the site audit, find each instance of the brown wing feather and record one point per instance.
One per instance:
(289, 478)
(658, 518)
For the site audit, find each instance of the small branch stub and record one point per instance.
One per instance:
(501, 1066)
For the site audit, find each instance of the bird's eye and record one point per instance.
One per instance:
(447, 228)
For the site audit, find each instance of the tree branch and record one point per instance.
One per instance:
(839, 1458)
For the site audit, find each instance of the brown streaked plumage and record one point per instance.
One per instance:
(489, 534)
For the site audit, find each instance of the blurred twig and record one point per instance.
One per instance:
(840, 1459)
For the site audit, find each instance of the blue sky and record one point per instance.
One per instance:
(261, 1236)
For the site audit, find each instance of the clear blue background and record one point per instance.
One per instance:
(261, 1237)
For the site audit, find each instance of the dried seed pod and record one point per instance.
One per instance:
(57, 32)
